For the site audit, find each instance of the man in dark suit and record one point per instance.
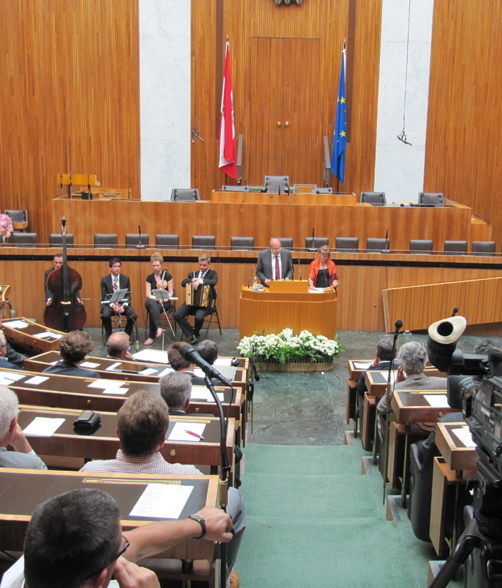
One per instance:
(109, 284)
(274, 263)
(203, 277)
(73, 348)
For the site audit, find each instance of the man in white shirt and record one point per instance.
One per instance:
(110, 284)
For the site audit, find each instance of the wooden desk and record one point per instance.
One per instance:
(456, 455)
(411, 406)
(122, 369)
(355, 369)
(104, 443)
(73, 392)
(22, 490)
(294, 199)
(28, 338)
(272, 312)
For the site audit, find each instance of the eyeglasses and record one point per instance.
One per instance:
(119, 554)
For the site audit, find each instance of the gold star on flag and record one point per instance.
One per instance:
(342, 134)
(342, 100)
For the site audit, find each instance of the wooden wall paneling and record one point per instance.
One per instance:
(316, 19)
(69, 99)
(462, 146)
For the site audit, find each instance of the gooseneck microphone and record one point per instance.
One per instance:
(189, 354)
(399, 326)
(455, 310)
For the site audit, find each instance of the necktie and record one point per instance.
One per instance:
(115, 284)
(277, 272)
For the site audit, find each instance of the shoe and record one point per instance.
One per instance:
(149, 342)
(235, 581)
(159, 333)
(194, 340)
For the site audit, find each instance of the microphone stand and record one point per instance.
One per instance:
(225, 468)
(139, 246)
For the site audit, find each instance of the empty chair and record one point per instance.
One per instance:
(421, 246)
(242, 243)
(108, 240)
(376, 244)
(431, 198)
(455, 247)
(235, 188)
(286, 242)
(184, 195)
(373, 198)
(273, 183)
(324, 190)
(24, 239)
(19, 219)
(132, 240)
(483, 248)
(167, 241)
(316, 242)
(347, 244)
(203, 242)
(56, 240)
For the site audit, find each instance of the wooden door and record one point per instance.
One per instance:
(285, 90)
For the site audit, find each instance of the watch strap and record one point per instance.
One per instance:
(202, 523)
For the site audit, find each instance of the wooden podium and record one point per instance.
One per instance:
(287, 304)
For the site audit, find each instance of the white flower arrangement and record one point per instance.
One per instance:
(286, 347)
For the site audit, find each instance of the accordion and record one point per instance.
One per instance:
(199, 297)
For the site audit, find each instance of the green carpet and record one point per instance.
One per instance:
(314, 520)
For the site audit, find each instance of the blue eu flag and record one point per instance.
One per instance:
(340, 135)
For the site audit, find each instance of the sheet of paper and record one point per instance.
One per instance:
(12, 376)
(316, 290)
(48, 335)
(114, 366)
(223, 361)
(106, 384)
(162, 501)
(89, 364)
(464, 435)
(179, 432)
(151, 355)
(16, 324)
(358, 365)
(437, 400)
(166, 371)
(147, 372)
(43, 426)
(36, 380)
(200, 393)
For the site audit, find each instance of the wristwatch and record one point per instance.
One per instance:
(202, 523)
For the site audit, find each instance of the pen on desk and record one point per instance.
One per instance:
(194, 434)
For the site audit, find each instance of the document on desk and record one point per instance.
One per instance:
(166, 371)
(464, 435)
(151, 356)
(89, 364)
(7, 378)
(437, 400)
(227, 371)
(36, 380)
(161, 501)
(43, 427)
(361, 366)
(179, 432)
(200, 393)
(222, 361)
(148, 372)
(109, 386)
(16, 324)
(48, 335)
(114, 366)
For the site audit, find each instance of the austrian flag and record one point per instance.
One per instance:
(226, 139)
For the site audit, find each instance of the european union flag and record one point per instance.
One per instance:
(340, 135)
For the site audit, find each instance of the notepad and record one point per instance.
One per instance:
(437, 400)
(148, 372)
(179, 432)
(361, 366)
(36, 380)
(114, 366)
(16, 324)
(89, 364)
(43, 426)
(166, 371)
(161, 501)
(8, 377)
(109, 386)
(48, 335)
(151, 355)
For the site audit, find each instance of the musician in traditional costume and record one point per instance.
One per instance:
(200, 295)
(161, 279)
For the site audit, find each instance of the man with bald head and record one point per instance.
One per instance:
(274, 263)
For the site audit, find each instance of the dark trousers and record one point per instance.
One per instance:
(106, 316)
(155, 311)
(198, 312)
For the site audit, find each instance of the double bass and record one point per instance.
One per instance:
(65, 312)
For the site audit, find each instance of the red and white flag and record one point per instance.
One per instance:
(226, 139)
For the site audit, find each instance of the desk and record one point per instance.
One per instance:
(104, 443)
(27, 337)
(73, 392)
(272, 312)
(22, 490)
(411, 406)
(293, 199)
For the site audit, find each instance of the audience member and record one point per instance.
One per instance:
(118, 346)
(73, 348)
(11, 435)
(208, 350)
(484, 345)
(175, 389)
(4, 360)
(75, 540)
(179, 364)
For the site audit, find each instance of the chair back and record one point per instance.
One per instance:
(324, 190)
(455, 247)
(431, 198)
(373, 198)
(132, 240)
(19, 219)
(24, 239)
(235, 188)
(108, 240)
(483, 248)
(167, 241)
(286, 242)
(418, 246)
(203, 242)
(273, 183)
(184, 195)
(56, 240)
(347, 244)
(316, 242)
(377, 244)
(242, 243)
